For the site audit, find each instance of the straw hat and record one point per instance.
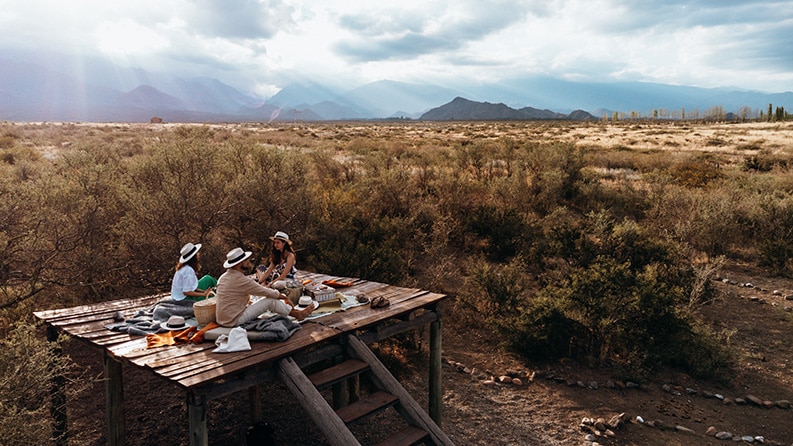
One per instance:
(236, 256)
(283, 236)
(305, 301)
(188, 251)
(174, 323)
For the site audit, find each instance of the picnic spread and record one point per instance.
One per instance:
(172, 322)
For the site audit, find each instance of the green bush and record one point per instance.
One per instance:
(494, 292)
(551, 173)
(504, 230)
(773, 232)
(617, 301)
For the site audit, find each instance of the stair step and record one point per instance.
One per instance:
(364, 407)
(405, 437)
(337, 373)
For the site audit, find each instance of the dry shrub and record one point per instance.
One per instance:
(695, 175)
(767, 160)
(28, 367)
(707, 220)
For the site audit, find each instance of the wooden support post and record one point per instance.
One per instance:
(197, 416)
(58, 396)
(435, 391)
(355, 388)
(340, 392)
(255, 394)
(114, 401)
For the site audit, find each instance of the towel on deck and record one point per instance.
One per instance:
(188, 335)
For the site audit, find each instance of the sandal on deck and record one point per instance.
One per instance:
(380, 302)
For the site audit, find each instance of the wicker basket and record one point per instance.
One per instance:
(205, 311)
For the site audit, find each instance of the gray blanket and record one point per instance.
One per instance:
(168, 307)
(148, 320)
(275, 328)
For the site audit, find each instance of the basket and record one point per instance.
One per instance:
(205, 311)
(321, 293)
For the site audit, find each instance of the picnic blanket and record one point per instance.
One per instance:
(148, 320)
(340, 302)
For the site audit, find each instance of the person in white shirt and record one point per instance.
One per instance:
(185, 283)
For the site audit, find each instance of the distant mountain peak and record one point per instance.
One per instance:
(146, 96)
(461, 109)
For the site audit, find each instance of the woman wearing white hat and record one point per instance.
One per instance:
(185, 283)
(235, 289)
(282, 263)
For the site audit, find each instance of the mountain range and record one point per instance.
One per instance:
(461, 109)
(42, 91)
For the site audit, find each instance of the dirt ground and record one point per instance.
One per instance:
(546, 411)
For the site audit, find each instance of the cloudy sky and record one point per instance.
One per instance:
(261, 46)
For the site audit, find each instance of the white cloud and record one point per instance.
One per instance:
(125, 37)
(260, 45)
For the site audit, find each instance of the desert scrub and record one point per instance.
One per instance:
(494, 291)
(766, 160)
(695, 171)
(710, 220)
(615, 298)
(28, 367)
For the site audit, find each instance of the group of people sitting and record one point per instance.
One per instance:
(234, 288)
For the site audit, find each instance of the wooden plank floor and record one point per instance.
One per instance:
(192, 366)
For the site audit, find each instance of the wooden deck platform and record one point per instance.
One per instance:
(205, 375)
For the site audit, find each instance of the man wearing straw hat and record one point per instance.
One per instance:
(234, 291)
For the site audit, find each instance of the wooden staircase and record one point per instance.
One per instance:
(350, 407)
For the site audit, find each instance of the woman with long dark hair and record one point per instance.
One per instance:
(282, 267)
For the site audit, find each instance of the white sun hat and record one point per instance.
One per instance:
(188, 251)
(236, 256)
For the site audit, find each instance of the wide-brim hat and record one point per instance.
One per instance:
(188, 251)
(313, 303)
(174, 323)
(236, 256)
(283, 236)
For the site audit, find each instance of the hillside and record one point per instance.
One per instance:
(461, 109)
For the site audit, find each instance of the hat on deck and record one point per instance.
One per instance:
(174, 323)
